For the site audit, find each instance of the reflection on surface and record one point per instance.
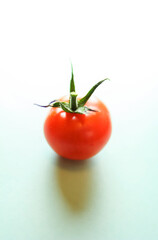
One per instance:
(75, 180)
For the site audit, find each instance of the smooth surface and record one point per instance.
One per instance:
(113, 196)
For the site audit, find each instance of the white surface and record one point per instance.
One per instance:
(114, 195)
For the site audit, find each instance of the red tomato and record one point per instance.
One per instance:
(78, 136)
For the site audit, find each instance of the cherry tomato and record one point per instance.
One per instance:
(78, 136)
(77, 128)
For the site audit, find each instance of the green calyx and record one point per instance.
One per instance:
(74, 105)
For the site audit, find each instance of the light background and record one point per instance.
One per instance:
(113, 196)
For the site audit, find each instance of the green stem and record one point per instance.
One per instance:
(73, 101)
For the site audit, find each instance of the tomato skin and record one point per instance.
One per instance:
(78, 136)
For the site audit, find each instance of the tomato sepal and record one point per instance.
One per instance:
(83, 100)
(74, 105)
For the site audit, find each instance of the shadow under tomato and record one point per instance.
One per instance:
(75, 181)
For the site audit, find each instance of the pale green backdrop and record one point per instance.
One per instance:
(114, 195)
